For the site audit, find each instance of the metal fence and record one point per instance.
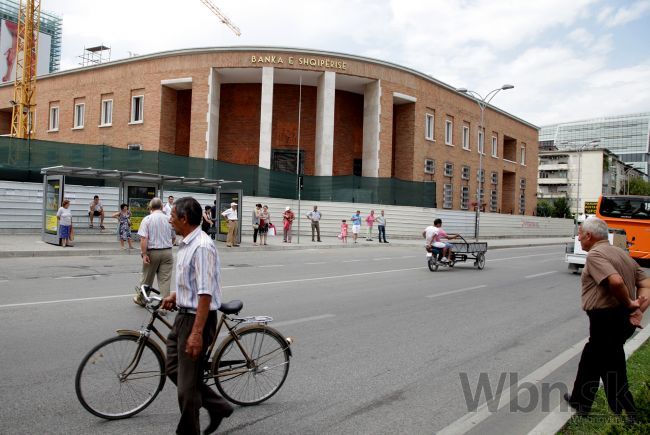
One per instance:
(22, 160)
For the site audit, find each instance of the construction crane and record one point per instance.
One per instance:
(224, 19)
(26, 52)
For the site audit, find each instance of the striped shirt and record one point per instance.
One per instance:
(198, 271)
(157, 229)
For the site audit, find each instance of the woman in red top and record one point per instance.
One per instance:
(287, 219)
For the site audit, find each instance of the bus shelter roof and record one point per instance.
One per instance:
(117, 175)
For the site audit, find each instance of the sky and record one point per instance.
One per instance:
(568, 59)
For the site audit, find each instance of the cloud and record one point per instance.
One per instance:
(612, 18)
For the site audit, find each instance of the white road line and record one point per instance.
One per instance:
(303, 320)
(254, 284)
(382, 258)
(471, 419)
(79, 277)
(451, 292)
(272, 265)
(541, 274)
(65, 300)
(228, 268)
(318, 262)
(525, 256)
(351, 261)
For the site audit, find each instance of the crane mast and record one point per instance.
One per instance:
(26, 57)
(224, 19)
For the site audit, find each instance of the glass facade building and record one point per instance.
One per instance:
(627, 136)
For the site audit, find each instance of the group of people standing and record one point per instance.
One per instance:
(370, 221)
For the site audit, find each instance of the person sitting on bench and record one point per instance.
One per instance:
(96, 209)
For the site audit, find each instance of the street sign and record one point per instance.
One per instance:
(590, 207)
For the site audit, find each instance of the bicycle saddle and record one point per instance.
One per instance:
(232, 307)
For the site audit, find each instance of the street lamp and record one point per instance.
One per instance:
(580, 148)
(482, 102)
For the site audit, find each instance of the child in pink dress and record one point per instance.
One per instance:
(344, 231)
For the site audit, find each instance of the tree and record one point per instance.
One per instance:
(561, 208)
(544, 208)
(638, 186)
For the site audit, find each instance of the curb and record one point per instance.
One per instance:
(112, 251)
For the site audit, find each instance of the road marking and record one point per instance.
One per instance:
(541, 274)
(303, 320)
(321, 278)
(471, 419)
(318, 262)
(524, 256)
(456, 291)
(382, 258)
(79, 277)
(273, 265)
(65, 300)
(227, 268)
(351, 261)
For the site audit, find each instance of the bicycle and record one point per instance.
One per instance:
(122, 375)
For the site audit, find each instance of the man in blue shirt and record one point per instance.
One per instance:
(356, 225)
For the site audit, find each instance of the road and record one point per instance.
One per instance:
(382, 344)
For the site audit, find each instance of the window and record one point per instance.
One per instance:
(137, 106)
(481, 195)
(106, 113)
(522, 203)
(449, 169)
(429, 166)
(493, 200)
(447, 192)
(481, 144)
(54, 119)
(287, 161)
(79, 111)
(465, 138)
(481, 175)
(495, 146)
(523, 154)
(522, 183)
(465, 173)
(428, 127)
(134, 146)
(495, 177)
(464, 197)
(449, 132)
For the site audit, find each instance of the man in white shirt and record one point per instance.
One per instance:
(156, 240)
(231, 216)
(96, 209)
(167, 209)
(315, 216)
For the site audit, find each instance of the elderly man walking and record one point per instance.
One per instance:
(231, 216)
(156, 240)
(614, 295)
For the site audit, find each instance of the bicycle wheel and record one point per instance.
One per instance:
(251, 383)
(113, 383)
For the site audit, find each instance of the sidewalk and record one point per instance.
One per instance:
(30, 245)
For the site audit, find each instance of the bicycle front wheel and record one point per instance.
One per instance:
(120, 377)
(255, 377)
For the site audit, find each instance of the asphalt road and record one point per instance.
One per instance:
(381, 343)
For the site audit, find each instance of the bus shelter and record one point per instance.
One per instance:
(135, 189)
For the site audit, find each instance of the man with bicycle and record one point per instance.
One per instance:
(197, 299)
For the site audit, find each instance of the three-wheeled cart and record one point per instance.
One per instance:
(460, 252)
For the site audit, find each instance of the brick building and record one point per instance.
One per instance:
(357, 116)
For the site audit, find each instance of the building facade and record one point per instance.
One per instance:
(582, 176)
(627, 136)
(336, 114)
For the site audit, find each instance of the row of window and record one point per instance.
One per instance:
(429, 125)
(105, 117)
(448, 190)
(429, 168)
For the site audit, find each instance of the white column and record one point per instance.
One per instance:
(214, 98)
(266, 118)
(325, 124)
(371, 113)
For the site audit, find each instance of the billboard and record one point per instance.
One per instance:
(8, 41)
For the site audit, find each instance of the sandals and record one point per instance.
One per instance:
(102, 227)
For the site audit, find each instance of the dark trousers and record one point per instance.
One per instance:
(255, 231)
(603, 358)
(315, 227)
(382, 232)
(187, 374)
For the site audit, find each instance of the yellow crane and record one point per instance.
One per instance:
(224, 19)
(26, 53)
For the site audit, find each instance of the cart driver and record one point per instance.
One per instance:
(434, 236)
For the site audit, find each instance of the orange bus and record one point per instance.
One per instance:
(632, 214)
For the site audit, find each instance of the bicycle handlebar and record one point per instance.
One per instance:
(144, 288)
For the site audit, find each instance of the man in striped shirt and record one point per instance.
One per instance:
(156, 239)
(197, 298)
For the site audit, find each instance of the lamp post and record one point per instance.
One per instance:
(482, 102)
(580, 148)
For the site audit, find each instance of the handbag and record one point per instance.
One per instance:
(71, 236)
(271, 231)
(256, 226)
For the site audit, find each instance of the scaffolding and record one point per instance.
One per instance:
(95, 55)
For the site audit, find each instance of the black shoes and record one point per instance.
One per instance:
(215, 421)
(580, 410)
